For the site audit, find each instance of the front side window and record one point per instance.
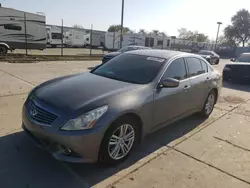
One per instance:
(131, 68)
(194, 66)
(176, 70)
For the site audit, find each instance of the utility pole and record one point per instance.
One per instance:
(62, 37)
(121, 35)
(25, 30)
(219, 23)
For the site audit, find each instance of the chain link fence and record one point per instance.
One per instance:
(34, 37)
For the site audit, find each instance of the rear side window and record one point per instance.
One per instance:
(204, 66)
(194, 66)
(176, 70)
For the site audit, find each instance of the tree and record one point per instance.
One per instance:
(155, 31)
(116, 28)
(142, 31)
(192, 35)
(77, 26)
(239, 30)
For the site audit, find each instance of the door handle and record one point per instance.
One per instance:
(208, 78)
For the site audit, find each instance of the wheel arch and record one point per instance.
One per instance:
(4, 44)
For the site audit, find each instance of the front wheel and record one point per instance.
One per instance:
(118, 141)
(217, 61)
(208, 105)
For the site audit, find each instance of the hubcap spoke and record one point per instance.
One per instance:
(116, 150)
(128, 136)
(209, 104)
(114, 140)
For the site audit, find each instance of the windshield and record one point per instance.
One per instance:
(204, 53)
(131, 68)
(243, 58)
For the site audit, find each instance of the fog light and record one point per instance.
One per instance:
(66, 151)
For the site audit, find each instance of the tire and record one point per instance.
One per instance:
(217, 61)
(208, 108)
(3, 50)
(108, 154)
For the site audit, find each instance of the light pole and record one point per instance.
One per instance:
(121, 35)
(219, 23)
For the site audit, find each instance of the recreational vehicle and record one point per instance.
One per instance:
(19, 30)
(75, 38)
(96, 40)
(55, 37)
(112, 40)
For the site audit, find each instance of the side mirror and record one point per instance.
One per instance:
(169, 83)
(232, 59)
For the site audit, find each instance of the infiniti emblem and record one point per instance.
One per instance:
(33, 112)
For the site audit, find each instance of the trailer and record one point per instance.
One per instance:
(95, 42)
(112, 40)
(75, 38)
(55, 37)
(21, 30)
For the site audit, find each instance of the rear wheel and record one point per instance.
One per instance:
(118, 141)
(3, 50)
(209, 104)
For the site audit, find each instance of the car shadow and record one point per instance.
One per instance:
(237, 85)
(22, 164)
(171, 134)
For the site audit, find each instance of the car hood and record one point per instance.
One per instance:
(112, 54)
(74, 92)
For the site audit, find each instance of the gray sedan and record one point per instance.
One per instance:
(99, 116)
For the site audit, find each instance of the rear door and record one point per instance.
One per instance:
(199, 78)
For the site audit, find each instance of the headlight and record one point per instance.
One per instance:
(85, 121)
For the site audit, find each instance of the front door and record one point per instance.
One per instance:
(172, 102)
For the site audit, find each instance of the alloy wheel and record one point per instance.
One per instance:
(121, 141)
(210, 103)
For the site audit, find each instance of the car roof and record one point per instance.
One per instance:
(166, 54)
(135, 46)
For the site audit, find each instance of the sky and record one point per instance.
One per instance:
(164, 15)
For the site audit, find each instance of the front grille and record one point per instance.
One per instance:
(40, 115)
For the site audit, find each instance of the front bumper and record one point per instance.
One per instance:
(68, 146)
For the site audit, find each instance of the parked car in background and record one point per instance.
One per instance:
(238, 69)
(111, 55)
(210, 56)
(100, 115)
